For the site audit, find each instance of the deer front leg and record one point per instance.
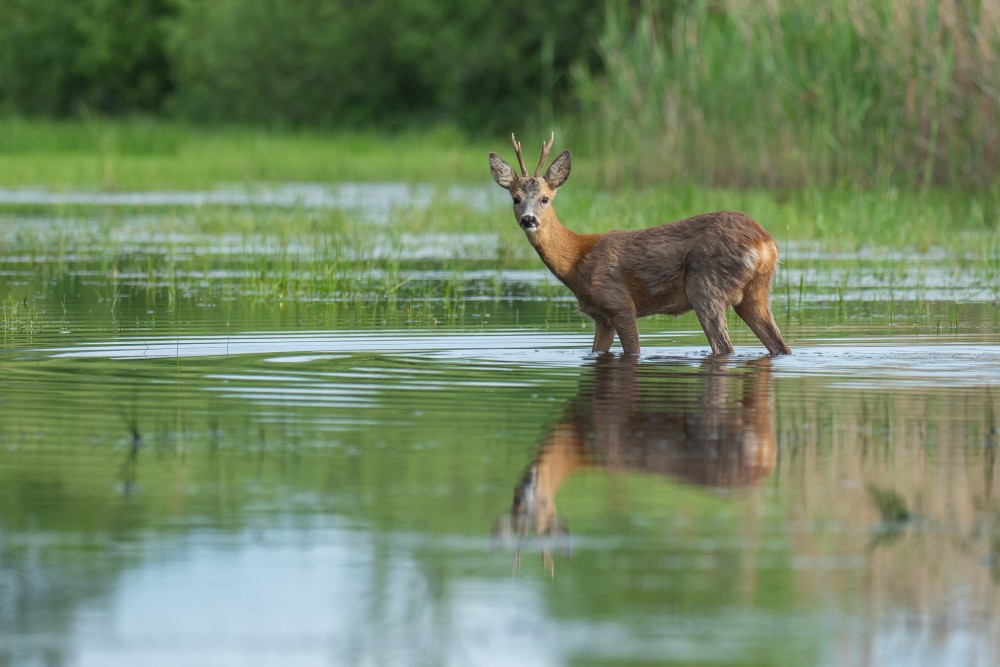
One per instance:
(604, 335)
(628, 333)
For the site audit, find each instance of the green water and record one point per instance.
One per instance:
(270, 447)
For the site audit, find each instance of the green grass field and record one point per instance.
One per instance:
(142, 154)
(147, 155)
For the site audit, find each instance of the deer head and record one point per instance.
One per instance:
(532, 195)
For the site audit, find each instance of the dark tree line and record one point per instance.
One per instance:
(337, 63)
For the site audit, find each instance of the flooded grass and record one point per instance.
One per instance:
(287, 427)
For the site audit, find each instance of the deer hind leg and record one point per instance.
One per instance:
(604, 335)
(755, 311)
(710, 303)
(712, 317)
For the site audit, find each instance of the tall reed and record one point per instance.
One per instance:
(791, 93)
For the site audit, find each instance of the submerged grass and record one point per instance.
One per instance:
(20, 318)
(851, 256)
(232, 270)
(844, 219)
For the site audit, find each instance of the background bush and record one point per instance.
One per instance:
(61, 57)
(793, 93)
(784, 93)
(387, 63)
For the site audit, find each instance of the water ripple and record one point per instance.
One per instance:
(915, 362)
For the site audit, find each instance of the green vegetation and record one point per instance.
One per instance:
(146, 155)
(68, 57)
(91, 271)
(385, 63)
(370, 374)
(143, 154)
(340, 64)
(784, 94)
(791, 93)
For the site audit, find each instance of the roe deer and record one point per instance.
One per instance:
(706, 263)
(704, 437)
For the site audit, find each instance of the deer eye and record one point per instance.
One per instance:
(517, 200)
(545, 200)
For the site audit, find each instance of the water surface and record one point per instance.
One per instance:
(220, 447)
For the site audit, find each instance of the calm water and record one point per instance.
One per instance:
(217, 450)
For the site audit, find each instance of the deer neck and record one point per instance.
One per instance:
(534, 498)
(561, 249)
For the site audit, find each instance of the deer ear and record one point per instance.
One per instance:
(558, 171)
(502, 172)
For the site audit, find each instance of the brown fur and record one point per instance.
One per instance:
(719, 440)
(706, 263)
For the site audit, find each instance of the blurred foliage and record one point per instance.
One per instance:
(327, 63)
(793, 93)
(784, 94)
(64, 57)
(335, 63)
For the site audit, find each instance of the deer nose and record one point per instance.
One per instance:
(528, 222)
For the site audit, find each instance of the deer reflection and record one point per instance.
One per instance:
(650, 418)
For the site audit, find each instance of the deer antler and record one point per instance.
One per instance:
(520, 159)
(546, 147)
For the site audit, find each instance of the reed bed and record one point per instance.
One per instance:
(791, 93)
